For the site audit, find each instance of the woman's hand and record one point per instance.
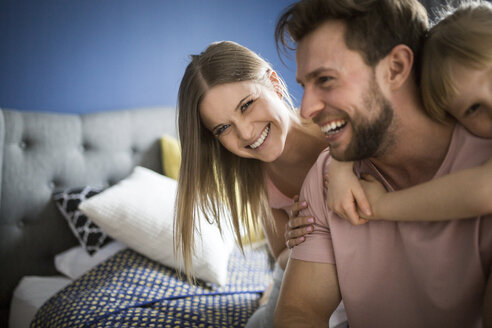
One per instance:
(298, 226)
(344, 194)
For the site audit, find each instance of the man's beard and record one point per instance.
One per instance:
(370, 139)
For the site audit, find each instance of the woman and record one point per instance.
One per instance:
(245, 153)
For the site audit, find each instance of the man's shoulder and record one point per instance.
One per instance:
(315, 174)
(313, 187)
(466, 150)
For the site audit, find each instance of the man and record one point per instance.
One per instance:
(355, 61)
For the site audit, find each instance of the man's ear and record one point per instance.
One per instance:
(399, 66)
(277, 86)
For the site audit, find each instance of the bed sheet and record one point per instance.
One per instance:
(130, 290)
(29, 296)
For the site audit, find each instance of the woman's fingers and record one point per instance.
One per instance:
(299, 232)
(294, 242)
(298, 226)
(300, 221)
(296, 207)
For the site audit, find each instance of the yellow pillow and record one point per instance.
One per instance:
(171, 156)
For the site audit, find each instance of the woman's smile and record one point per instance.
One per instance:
(261, 139)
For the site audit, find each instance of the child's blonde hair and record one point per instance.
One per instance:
(462, 36)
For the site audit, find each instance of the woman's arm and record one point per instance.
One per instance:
(275, 235)
(461, 194)
(287, 232)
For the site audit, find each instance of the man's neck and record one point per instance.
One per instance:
(419, 148)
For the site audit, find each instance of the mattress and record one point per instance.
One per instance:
(29, 296)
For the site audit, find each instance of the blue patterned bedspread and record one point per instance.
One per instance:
(130, 290)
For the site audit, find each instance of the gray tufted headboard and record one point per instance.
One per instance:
(43, 152)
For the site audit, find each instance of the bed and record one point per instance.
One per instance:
(129, 276)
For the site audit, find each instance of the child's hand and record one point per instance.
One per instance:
(344, 194)
(374, 191)
(344, 201)
(298, 226)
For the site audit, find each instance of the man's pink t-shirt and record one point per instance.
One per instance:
(405, 274)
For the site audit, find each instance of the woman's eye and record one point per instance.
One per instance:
(472, 109)
(220, 130)
(246, 105)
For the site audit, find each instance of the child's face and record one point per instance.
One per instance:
(472, 106)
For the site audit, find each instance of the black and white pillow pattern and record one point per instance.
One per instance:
(90, 236)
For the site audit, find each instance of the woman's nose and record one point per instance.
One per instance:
(245, 130)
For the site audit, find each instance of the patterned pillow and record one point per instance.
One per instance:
(90, 236)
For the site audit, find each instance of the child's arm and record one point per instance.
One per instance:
(461, 194)
(344, 194)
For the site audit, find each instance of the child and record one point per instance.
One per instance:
(456, 82)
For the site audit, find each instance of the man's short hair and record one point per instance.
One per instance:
(373, 27)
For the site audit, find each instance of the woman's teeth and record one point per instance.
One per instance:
(261, 139)
(333, 127)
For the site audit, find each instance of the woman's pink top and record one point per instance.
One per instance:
(276, 198)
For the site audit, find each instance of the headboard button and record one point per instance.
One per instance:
(20, 224)
(23, 144)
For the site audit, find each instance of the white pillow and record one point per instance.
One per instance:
(75, 261)
(138, 211)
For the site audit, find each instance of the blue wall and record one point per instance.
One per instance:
(83, 56)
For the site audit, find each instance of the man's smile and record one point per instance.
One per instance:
(333, 127)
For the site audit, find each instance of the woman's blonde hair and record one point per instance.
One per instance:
(212, 181)
(462, 36)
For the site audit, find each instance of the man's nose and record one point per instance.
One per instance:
(311, 104)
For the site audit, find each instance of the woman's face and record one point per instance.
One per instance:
(249, 119)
